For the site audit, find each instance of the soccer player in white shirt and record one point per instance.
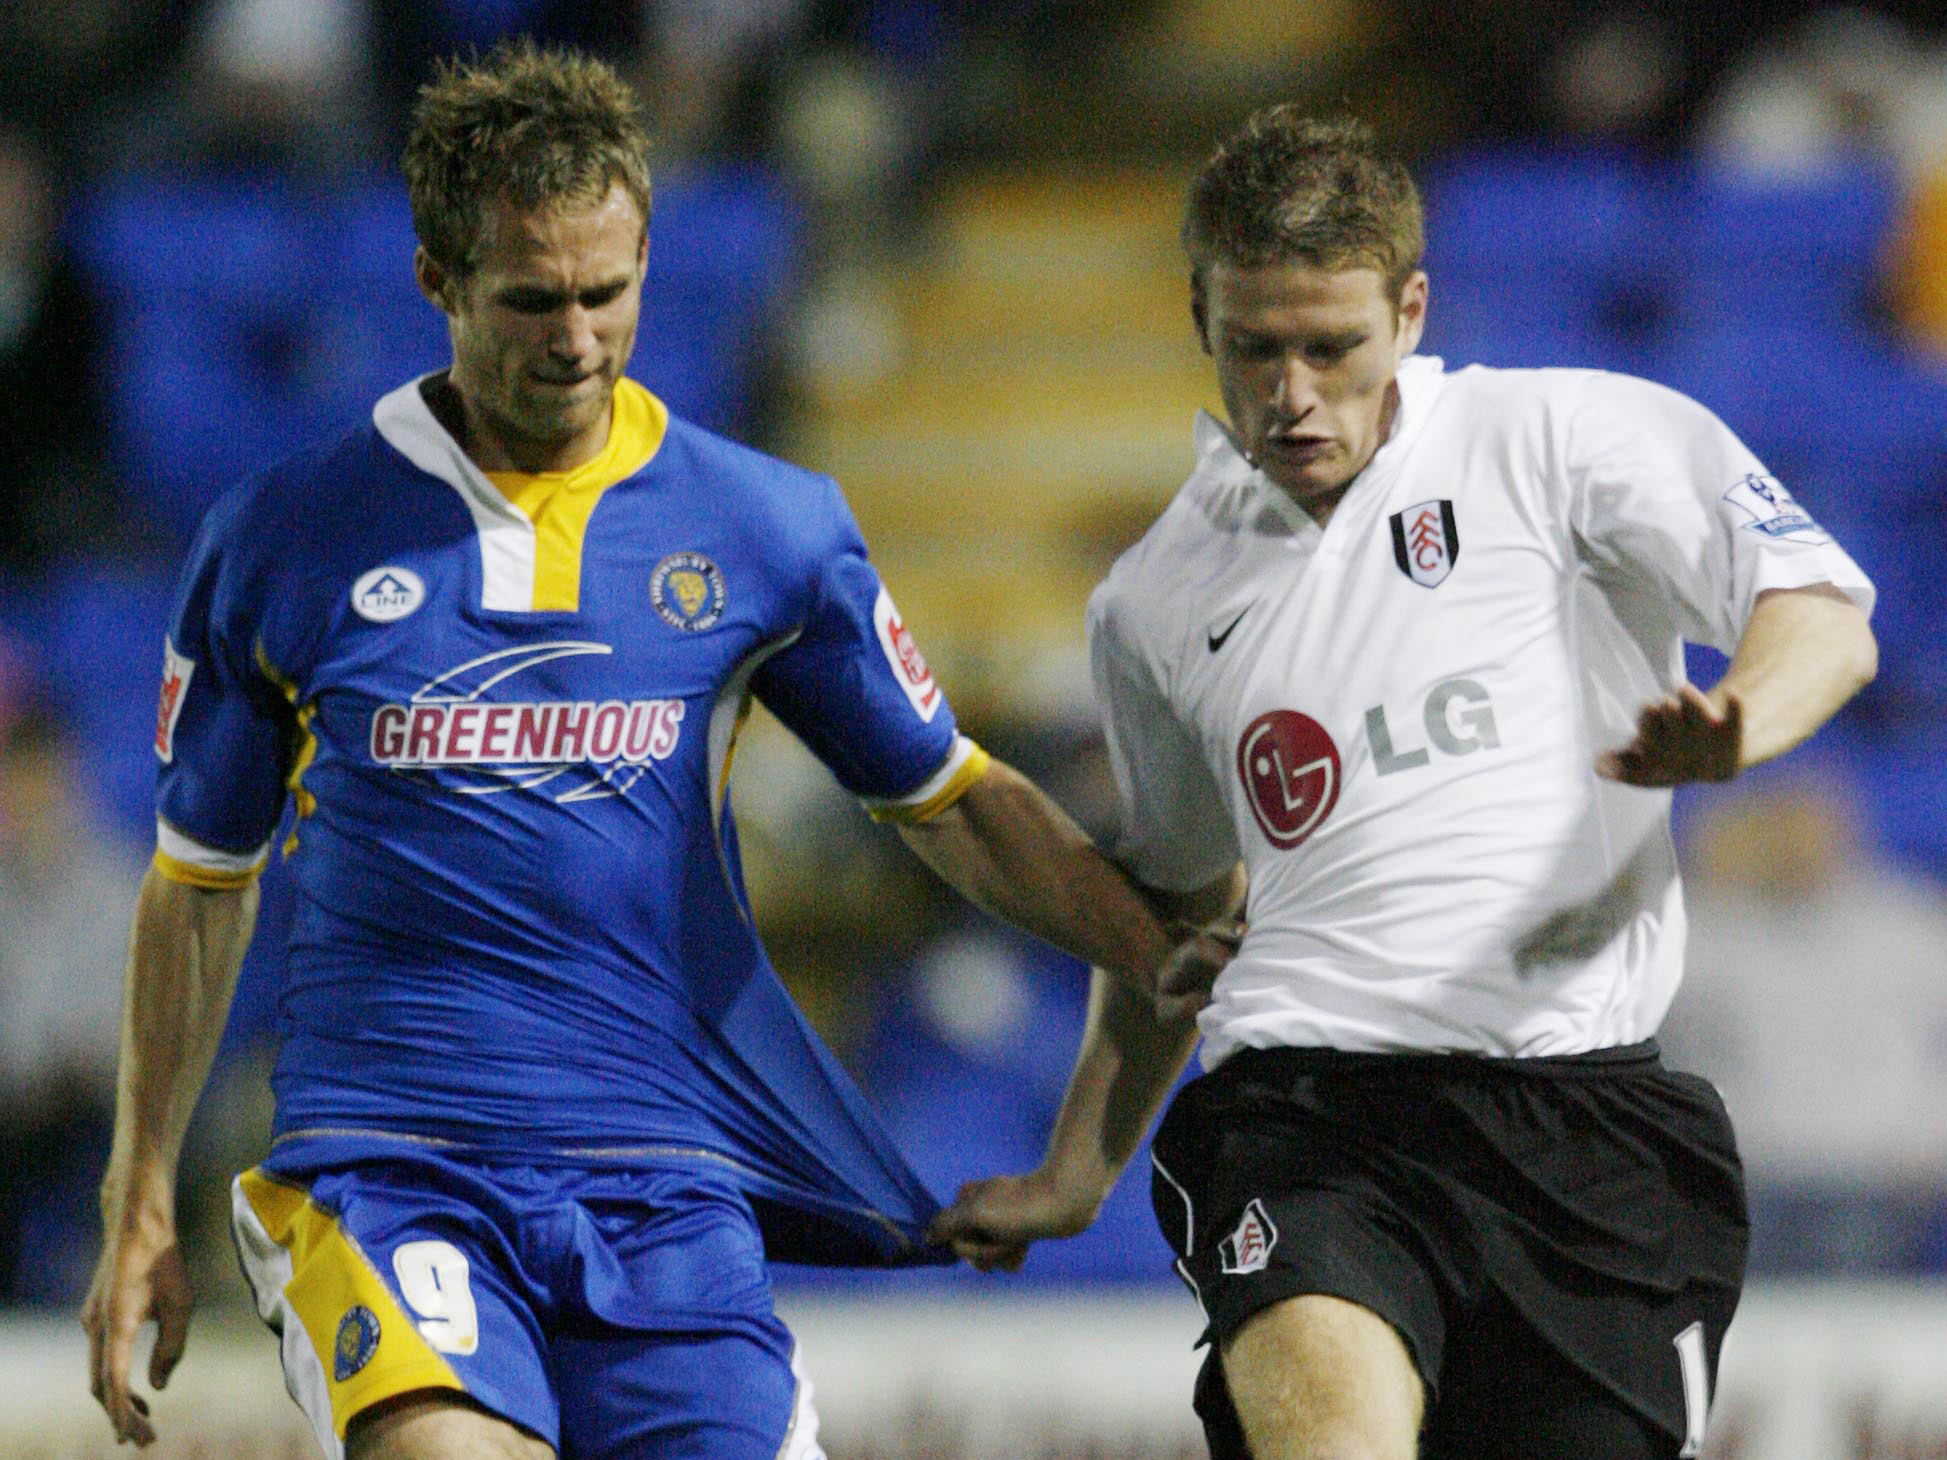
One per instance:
(1404, 658)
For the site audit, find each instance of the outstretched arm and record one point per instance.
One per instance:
(1131, 1053)
(1011, 851)
(184, 953)
(1805, 652)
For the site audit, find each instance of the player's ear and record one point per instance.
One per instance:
(434, 282)
(1200, 311)
(1411, 312)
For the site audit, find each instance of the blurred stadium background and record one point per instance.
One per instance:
(929, 246)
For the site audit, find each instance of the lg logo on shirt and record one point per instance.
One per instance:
(1290, 767)
(1290, 770)
(1458, 719)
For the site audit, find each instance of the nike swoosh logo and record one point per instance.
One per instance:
(1217, 639)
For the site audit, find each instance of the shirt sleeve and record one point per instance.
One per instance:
(222, 727)
(856, 689)
(1174, 830)
(1667, 502)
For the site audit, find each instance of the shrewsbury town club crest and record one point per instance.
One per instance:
(687, 589)
(357, 1341)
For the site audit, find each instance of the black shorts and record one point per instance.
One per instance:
(1560, 1241)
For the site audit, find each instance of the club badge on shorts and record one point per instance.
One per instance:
(687, 589)
(1426, 541)
(1248, 1249)
(357, 1341)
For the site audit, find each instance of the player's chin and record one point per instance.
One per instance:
(562, 419)
(1316, 477)
(1317, 497)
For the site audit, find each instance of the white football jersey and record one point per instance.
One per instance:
(1394, 720)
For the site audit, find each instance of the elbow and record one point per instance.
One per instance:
(1863, 658)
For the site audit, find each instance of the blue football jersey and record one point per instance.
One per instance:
(505, 711)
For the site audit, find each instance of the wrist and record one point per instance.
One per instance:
(1076, 1185)
(138, 1202)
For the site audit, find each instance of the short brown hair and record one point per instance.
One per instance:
(529, 125)
(1289, 188)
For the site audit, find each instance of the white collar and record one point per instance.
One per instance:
(507, 537)
(410, 428)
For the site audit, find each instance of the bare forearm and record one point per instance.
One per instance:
(1011, 851)
(1134, 1044)
(1128, 1060)
(1804, 653)
(184, 952)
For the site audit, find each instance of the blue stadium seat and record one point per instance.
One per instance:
(1803, 249)
(253, 316)
(1818, 394)
(1471, 325)
(248, 322)
(723, 252)
(94, 629)
(958, 1111)
(1546, 258)
(97, 632)
(1898, 546)
(1532, 211)
(1906, 802)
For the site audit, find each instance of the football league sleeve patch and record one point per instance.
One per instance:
(219, 737)
(856, 689)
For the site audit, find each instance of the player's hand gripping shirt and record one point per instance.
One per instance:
(1394, 720)
(505, 710)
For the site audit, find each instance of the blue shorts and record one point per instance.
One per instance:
(613, 1313)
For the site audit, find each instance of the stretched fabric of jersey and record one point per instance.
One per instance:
(521, 924)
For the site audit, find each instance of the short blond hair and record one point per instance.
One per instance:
(1289, 188)
(528, 125)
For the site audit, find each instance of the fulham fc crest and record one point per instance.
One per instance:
(1248, 1249)
(1426, 543)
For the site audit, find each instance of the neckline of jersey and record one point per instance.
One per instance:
(635, 435)
(407, 424)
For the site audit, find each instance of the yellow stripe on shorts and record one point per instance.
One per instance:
(331, 1279)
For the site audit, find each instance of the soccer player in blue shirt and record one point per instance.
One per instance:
(543, 1108)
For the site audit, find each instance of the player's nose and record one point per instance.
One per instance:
(573, 338)
(1295, 391)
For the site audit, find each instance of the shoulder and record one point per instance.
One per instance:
(1140, 604)
(1565, 421)
(1567, 397)
(753, 476)
(296, 526)
(254, 518)
(1492, 396)
(1132, 578)
(254, 563)
(787, 507)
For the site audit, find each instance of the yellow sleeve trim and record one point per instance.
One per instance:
(191, 875)
(958, 784)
